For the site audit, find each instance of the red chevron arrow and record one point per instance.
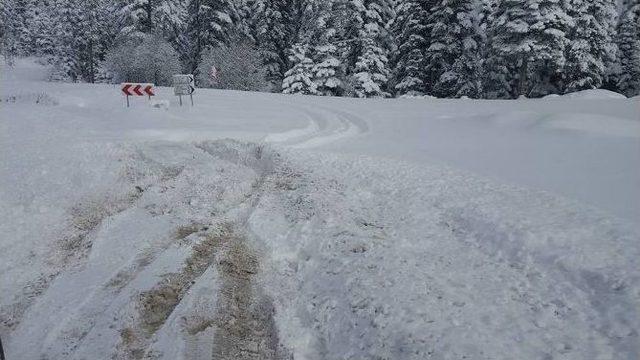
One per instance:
(125, 89)
(134, 89)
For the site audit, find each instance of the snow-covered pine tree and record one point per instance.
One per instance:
(412, 38)
(497, 76)
(532, 34)
(166, 17)
(101, 33)
(371, 72)
(41, 20)
(15, 36)
(299, 79)
(81, 36)
(452, 56)
(246, 24)
(211, 23)
(281, 24)
(628, 40)
(68, 39)
(328, 71)
(592, 47)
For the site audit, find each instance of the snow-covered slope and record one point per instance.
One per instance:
(269, 226)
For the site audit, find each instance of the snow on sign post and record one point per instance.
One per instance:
(184, 85)
(137, 89)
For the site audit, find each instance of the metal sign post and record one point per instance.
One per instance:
(184, 85)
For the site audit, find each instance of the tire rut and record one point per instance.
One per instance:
(245, 326)
(243, 323)
(156, 305)
(73, 245)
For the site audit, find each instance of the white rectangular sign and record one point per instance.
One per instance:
(183, 85)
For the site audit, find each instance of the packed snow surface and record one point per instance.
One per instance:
(262, 226)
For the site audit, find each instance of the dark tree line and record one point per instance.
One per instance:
(362, 48)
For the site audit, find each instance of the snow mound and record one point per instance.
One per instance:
(595, 94)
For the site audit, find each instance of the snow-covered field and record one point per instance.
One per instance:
(262, 226)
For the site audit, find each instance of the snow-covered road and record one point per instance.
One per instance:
(260, 226)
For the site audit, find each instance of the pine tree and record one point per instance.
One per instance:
(41, 22)
(591, 48)
(629, 48)
(212, 24)
(371, 72)
(497, 78)
(412, 38)
(328, 43)
(327, 71)
(81, 37)
(67, 37)
(281, 24)
(140, 17)
(247, 19)
(532, 35)
(14, 29)
(452, 57)
(300, 78)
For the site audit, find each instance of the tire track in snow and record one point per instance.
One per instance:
(244, 325)
(124, 313)
(157, 304)
(71, 253)
(71, 249)
(326, 125)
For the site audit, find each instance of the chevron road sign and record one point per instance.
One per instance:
(184, 85)
(137, 89)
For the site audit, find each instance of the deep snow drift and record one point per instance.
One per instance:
(267, 226)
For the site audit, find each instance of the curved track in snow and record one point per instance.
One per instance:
(325, 125)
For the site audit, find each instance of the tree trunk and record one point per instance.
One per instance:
(522, 81)
(150, 16)
(92, 74)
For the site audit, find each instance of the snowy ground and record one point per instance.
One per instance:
(257, 226)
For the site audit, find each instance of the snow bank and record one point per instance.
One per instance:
(594, 95)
